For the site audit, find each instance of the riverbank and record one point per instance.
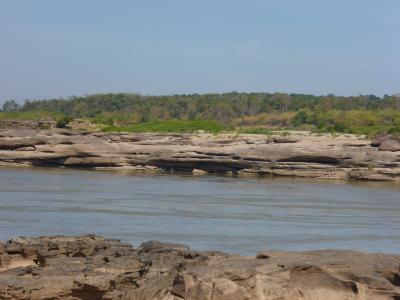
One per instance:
(295, 153)
(92, 267)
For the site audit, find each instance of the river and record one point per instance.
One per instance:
(234, 215)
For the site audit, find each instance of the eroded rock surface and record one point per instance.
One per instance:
(91, 267)
(299, 154)
(43, 124)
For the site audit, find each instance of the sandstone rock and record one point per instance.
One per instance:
(386, 142)
(302, 154)
(263, 255)
(284, 140)
(93, 267)
(28, 148)
(115, 138)
(199, 172)
(42, 124)
(17, 143)
(156, 246)
(390, 145)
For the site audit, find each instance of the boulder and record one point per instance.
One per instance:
(390, 145)
(386, 142)
(199, 172)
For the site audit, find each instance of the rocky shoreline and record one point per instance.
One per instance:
(282, 154)
(93, 267)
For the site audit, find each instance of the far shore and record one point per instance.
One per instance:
(293, 154)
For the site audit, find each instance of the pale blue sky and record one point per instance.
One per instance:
(60, 48)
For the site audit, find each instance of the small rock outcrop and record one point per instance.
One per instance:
(92, 268)
(42, 124)
(387, 142)
(297, 154)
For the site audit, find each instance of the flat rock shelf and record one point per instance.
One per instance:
(295, 154)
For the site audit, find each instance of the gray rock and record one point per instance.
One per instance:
(92, 267)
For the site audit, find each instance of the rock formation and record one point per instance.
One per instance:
(93, 268)
(42, 124)
(298, 154)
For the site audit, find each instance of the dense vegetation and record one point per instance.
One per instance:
(364, 114)
(169, 126)
(27, 115)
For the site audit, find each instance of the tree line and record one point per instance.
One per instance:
(330, 112)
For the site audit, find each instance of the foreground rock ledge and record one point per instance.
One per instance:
(92, 267)
(298, 154)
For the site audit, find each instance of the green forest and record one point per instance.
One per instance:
(243, 112)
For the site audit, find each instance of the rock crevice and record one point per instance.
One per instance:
(93, 267)
(303, 154)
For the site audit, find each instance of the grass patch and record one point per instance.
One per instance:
(178, 126)
(255, 130)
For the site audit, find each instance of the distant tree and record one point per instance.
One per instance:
(10, 106)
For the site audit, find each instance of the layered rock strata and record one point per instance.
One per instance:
(297, 154)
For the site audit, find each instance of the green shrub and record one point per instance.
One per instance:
(63, 121)
(302, 117)
(255, 130)
(170, 126)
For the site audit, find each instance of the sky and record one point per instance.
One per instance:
(75, 47)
